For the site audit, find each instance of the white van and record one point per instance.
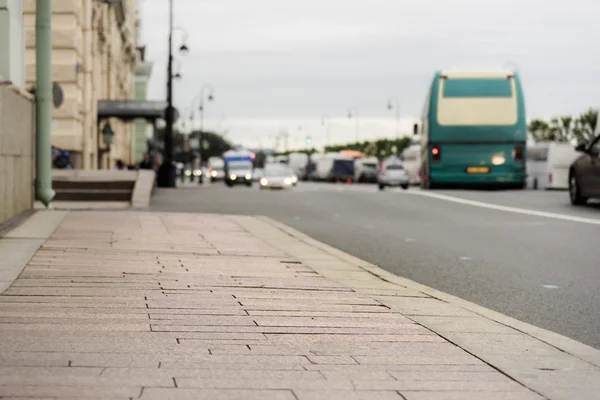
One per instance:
(411, 159)
(548, 165)
(365, 169)
(298, 162)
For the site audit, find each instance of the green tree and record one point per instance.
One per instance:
(585, 125)
(539, 130)
(381, 148)
(561, 129)
(214, 145)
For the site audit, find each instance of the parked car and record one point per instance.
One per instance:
(584, 173)
(392, 174)
(216, 169)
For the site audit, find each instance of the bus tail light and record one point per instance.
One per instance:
(518, 153)
(436, 153)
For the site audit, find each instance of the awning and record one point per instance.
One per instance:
(132, 109)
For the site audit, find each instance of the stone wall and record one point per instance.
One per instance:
(17, 144)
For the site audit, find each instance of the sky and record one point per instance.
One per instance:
(280, 66)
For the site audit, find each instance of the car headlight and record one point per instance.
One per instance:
(197, 172)
(248, 176)
(264, 182)
(233, 177)
(188, 172)
(287, 181)
(213, 173)
(295, 179)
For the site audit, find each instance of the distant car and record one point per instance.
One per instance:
(392, 174)
(278, 177)
(193, 172)
(216, 173)
(584, 174)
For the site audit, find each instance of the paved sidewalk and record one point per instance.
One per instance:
(126, 305)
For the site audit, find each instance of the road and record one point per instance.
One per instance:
(542, 269)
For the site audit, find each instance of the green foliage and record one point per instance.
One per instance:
(214, 145)
(565, 128)
(305, 151)
(381, 148)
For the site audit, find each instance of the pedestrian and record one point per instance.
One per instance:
(146, 162)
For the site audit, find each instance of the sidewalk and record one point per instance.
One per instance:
(128, 305)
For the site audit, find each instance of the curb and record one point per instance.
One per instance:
(19, 245)
(548, 363)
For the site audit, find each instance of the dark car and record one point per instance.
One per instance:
(584, 173)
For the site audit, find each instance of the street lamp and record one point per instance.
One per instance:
(353, 113)
(107, 134)
(207, 92)
(167, 172)
(394, 103)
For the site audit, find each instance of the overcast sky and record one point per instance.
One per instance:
(281, 64)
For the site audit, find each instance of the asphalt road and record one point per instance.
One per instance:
(544, 270)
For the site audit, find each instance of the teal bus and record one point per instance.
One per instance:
(473, 131)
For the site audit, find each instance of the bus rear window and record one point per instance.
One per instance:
(496, 87)
(478, 102)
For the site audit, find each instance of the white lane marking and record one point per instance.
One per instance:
(516, 210)
(465, 258)
(550, 287)
(410, 240)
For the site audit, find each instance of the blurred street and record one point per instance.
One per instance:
(541, 269)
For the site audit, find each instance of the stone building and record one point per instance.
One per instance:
(142, 129)
(94, 56)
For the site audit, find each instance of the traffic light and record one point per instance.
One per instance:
(308, 140)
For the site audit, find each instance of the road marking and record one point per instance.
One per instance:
(551, 287)
(466, 258)
(410, 240)
(516, 210)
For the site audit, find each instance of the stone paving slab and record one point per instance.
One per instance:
(137, 305)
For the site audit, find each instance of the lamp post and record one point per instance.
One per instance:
(394, 103)
(167, 172)
(206, 93)
(353, 113)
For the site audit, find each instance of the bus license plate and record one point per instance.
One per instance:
(478, 170)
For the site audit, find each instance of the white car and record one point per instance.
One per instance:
(392, 174)
(278, 177)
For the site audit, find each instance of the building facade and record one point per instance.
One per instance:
(12, 42)
(142, 129)
(94, 57)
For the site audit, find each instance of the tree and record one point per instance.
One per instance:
(585, 126)
(214, 145)
(539, 130)
(381, 148)
(561, 129)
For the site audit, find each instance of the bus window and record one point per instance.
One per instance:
(477, 102)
